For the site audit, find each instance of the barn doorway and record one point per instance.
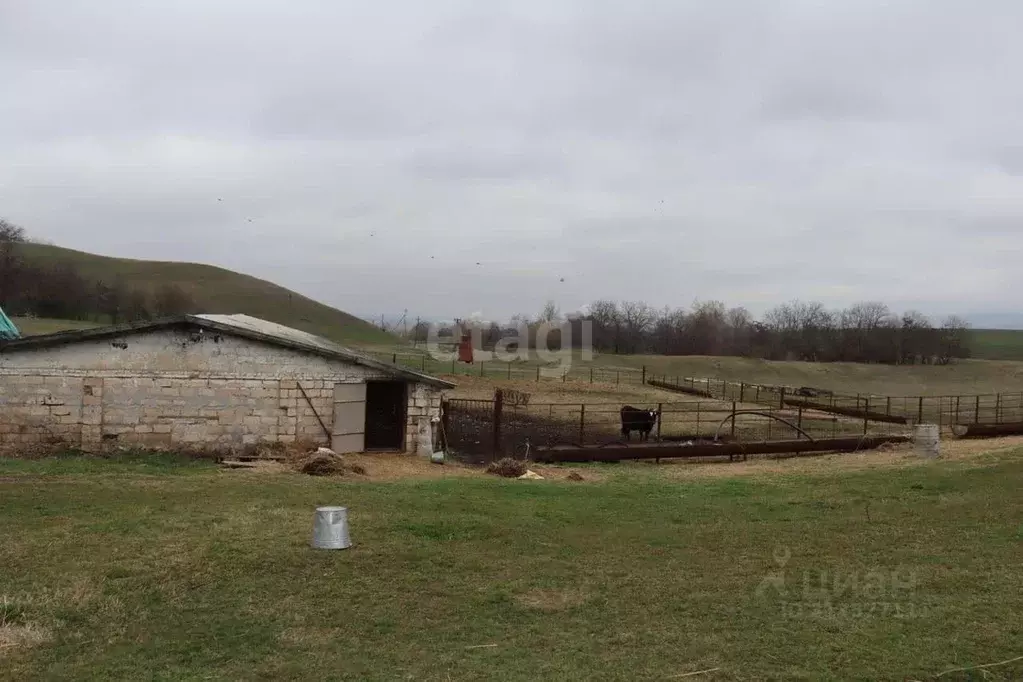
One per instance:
(385, 415)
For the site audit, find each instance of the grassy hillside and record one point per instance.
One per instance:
(997, 344)
(215, 290)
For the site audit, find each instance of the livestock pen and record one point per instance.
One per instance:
(483, 430)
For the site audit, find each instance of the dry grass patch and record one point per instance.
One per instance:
(551, 600)
(22, 637)
(566, 392)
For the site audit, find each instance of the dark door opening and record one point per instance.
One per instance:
(385, 415)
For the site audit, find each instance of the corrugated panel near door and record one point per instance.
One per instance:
(349, 431)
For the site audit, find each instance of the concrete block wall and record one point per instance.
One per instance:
(174, 388)
(40, 410)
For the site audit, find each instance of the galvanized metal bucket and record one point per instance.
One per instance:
(330, 528)
(927, 440)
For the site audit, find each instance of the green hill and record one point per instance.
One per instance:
(997, 344)
(214, 290)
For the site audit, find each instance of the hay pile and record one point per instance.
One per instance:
(507, 468)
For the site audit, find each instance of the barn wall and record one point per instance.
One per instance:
(173, 388)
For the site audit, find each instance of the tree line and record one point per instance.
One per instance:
(867, 332)
(863, 332)
(58, 290)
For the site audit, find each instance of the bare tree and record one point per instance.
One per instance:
(955, 342)
(636, 320)
(11, 237)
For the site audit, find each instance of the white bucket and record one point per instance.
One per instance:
(330, 528)
(927, 440)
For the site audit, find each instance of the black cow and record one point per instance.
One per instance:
(637, 420)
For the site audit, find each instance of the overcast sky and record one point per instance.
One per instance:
(369, 154)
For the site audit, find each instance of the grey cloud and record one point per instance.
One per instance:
(663, 151)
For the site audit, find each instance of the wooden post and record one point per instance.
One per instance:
(758, 394)
(582, 424)
(998, 408)
(452, 365)
(538, 373)
(976, 412)
(618, 377)
(781, 398)
(733, 420)
(888, 406)
(498, 410)
(660, 413)
(394, 359)
(445, 423)
(697, 417)
(920, 411)
(957, 410)
(591, 375)
(644, 374)
(482, 364)
(742, 391)
(799, 417)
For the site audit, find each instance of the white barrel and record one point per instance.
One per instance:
(330, 528)
(927, 440)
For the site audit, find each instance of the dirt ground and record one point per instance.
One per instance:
(395, 467)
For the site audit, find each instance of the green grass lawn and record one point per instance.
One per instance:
(167, 571)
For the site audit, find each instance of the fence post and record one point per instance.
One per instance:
(498, 409)
(394, 359)
(957, 410)
(781, 398)
(582, 423)
(758, 394)
(920, 411)
(618, 377)
(888, 406)
(865, 423)
(482, 365)
(742, 391)
(697, 418)
(538, 373)
(445, 425)
(509, 369)
(998, 408)
(591, 374)
(660, 413)
(799, 417)
(976, 413)
(733, 420)
(644, 374)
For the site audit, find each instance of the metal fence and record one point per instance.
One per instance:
(482, 430)
(946, 411)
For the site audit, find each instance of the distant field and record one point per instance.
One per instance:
(966, 377)
(217, 290)
(30, 326)
(895, 569)
(997, 344)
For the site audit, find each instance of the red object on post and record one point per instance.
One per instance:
(465, 349)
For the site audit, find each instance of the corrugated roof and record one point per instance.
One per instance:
(238, 325)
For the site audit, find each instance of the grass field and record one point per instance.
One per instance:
(997, 344)
(217, 290)
(157, 569)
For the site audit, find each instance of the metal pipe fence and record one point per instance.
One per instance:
(483, 430)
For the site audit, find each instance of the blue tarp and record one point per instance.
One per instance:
(7, 329)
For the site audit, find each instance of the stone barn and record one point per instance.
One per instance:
(219, 382)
